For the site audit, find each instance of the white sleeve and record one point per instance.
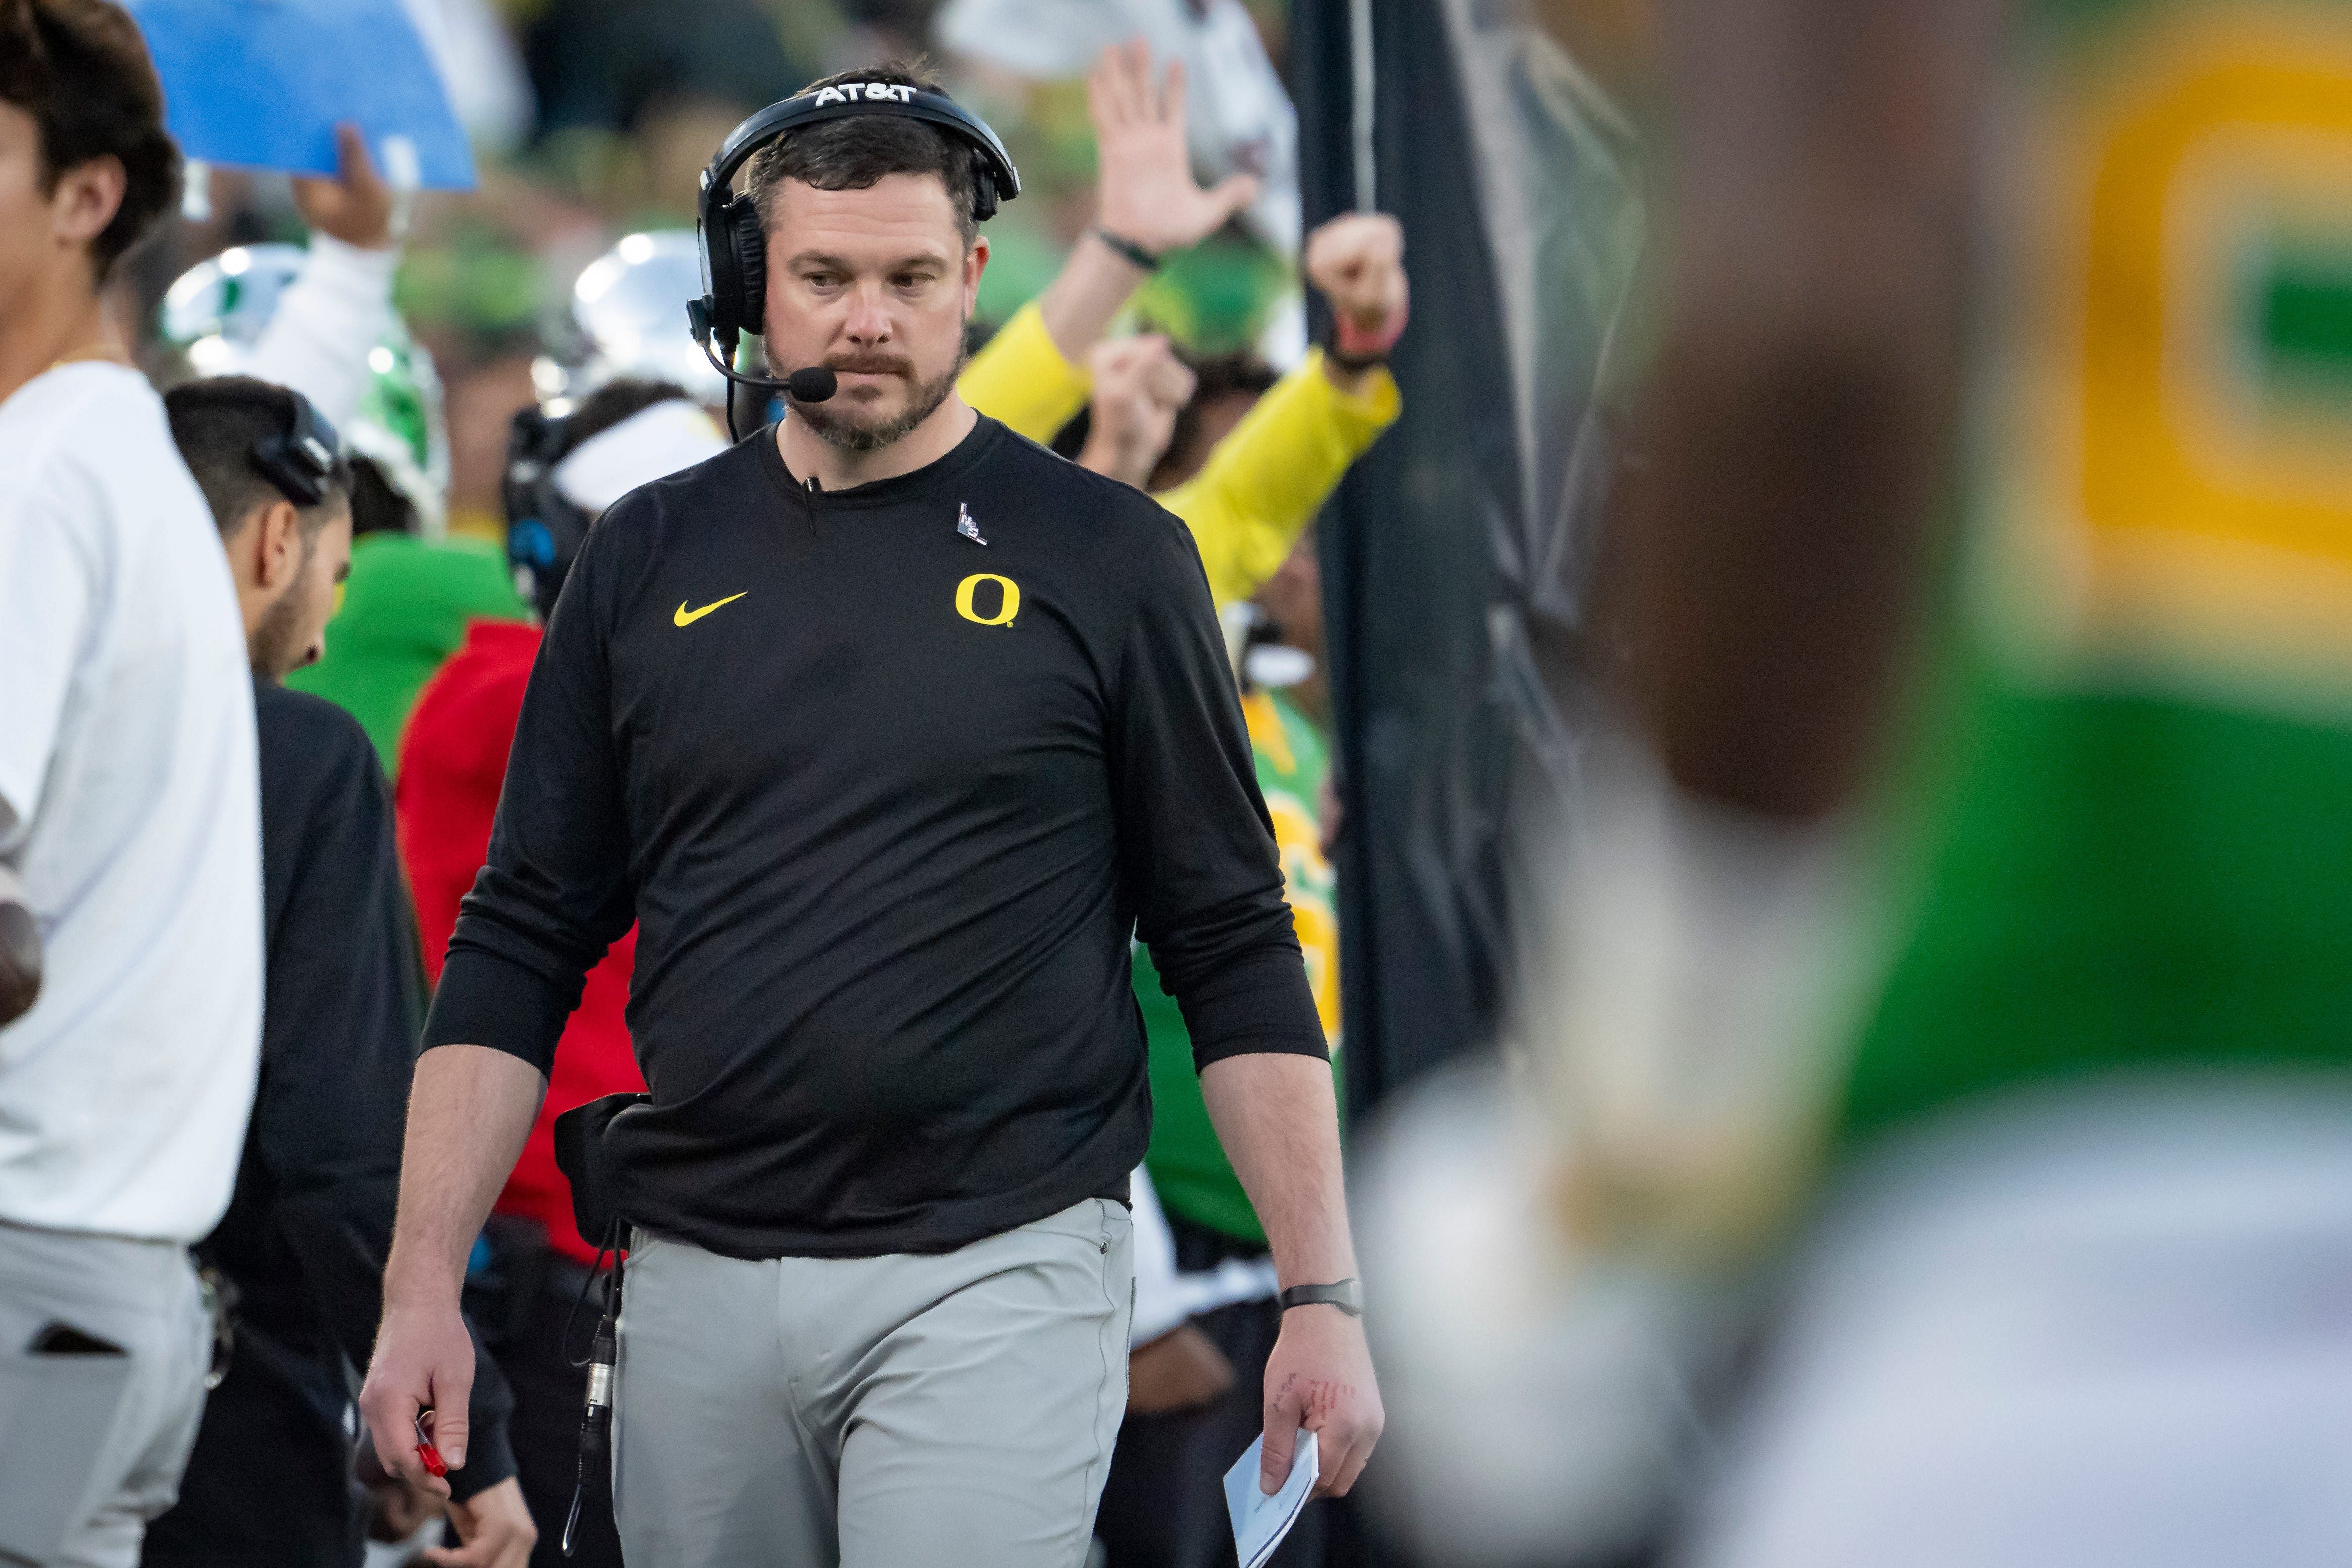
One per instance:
(333, 312)
(1160, 1306)
(48, 598)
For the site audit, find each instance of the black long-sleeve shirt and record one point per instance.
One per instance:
(309, 1222)
(887, 795)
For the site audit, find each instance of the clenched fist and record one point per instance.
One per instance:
(1357, 260)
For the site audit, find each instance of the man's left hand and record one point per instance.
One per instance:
(1320, 1377)
(494, 1528)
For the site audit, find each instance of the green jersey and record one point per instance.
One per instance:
(1188, 1165)
(2136, 840)
(403, 612)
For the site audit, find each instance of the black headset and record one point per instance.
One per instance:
(301, 460)
(735, 248)
(544, 530)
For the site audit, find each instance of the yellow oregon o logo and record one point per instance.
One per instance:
(1007, 606)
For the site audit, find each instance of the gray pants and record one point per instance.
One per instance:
(92, 1444)
(888, 1412)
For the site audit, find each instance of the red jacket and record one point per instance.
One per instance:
(452, 760)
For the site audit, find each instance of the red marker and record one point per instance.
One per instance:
(426, 1454)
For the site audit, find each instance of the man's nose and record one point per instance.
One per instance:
(869, 317)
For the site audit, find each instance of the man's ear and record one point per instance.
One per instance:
(278, 544)
(975, 263)
(87, 197)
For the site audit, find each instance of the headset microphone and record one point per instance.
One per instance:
(811, 383)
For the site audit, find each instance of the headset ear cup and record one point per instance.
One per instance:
(718, 264)
(750, 248)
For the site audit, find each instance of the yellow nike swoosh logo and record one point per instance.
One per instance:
(686, 617)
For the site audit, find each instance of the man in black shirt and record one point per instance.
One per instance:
(302, 1247)
(889, 728)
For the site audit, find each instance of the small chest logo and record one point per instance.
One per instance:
(686, 617)
(965, 526)
(969, 596)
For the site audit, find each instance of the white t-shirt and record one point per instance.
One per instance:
(131, 805)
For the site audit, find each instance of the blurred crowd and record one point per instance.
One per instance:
(451, 388)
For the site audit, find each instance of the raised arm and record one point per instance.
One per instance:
(340, 303)
(1031, 375)
(1263, 483)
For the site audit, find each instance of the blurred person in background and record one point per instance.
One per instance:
(129, 806)
(1196, 1372)
(2075, 1288)
(320, 320)
(567, 468)
(1265, 481)
(999, 1292)
(302, 1248)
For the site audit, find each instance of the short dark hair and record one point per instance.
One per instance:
(216, 423)
(858, 151)
(377, 505)
(82, 70)
(612, 403)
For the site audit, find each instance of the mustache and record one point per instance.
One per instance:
(871, 365)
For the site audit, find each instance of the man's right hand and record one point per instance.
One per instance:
(424, 1361)
(1144, 180)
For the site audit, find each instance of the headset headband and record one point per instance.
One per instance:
(1001, 181)
(301, 461)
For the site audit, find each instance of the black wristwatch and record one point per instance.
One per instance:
(1347, 1294)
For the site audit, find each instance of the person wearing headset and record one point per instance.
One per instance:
(301, 1252)
(886, 728)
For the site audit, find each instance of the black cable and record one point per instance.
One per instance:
(603, 1354)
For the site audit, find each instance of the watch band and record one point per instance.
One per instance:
(1133, 254)
(1347, 1294)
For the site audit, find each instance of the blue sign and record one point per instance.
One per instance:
(263, 83)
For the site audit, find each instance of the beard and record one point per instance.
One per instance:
(275, 644)
(840, 427)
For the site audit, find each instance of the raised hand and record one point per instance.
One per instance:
(1144, 187)
(1357, 260)
(355, 206)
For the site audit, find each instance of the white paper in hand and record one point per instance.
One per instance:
(1261, 1522)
